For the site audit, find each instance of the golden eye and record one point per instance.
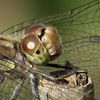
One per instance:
(32, 29)
(29, 44)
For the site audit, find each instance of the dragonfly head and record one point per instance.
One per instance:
(41, 44)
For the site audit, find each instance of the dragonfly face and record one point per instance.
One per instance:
(41, 44)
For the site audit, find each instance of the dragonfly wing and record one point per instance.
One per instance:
(8, 87)
(82, 14)
(76, 27)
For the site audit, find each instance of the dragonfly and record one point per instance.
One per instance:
(29, 46)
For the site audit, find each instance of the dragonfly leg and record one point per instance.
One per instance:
(34, 85)
(17, 89)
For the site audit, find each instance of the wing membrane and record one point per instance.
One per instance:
(82, 14)
(8, 86)
(76, 27)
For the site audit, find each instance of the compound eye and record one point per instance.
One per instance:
(29, 44)
(33, 28)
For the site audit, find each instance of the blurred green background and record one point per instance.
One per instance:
(15, 11)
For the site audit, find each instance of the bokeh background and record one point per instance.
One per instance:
(13, 12)
(16, 11)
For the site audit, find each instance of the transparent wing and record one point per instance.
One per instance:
(79, 29)
(82, 14)
(10, 79)
(8, 86)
